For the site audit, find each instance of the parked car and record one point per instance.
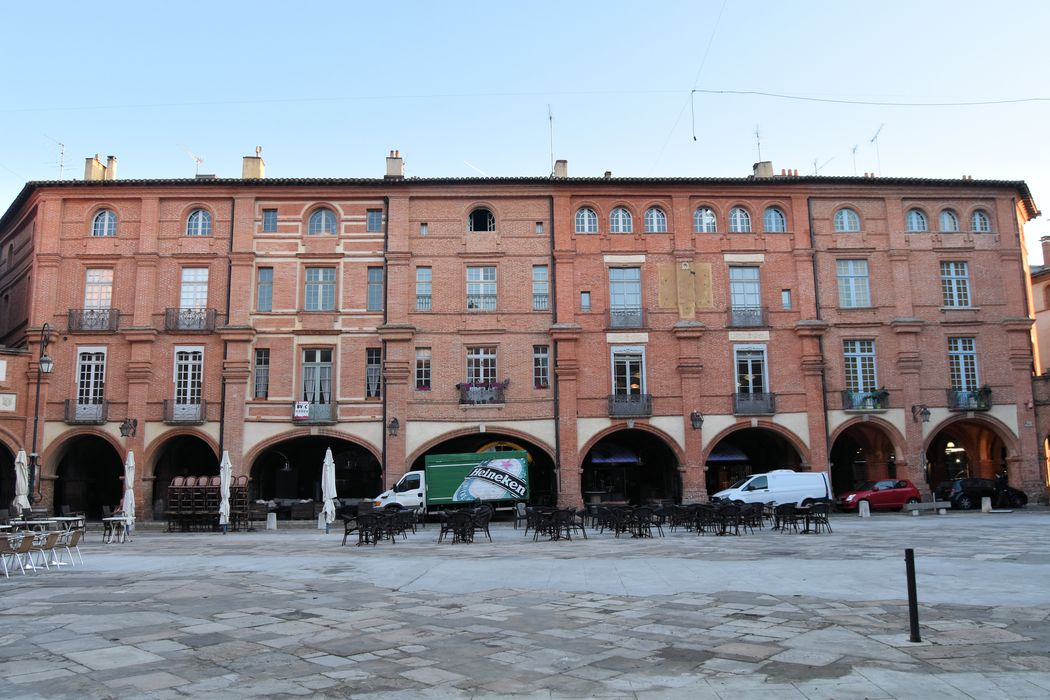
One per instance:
(779, 486)
(967, 493)
(884, 494)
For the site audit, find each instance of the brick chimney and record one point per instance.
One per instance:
(111, 168)
(561, 168)
(1045, 242)
(253, 167)
(93, 169)
(395, 166)
(763, 168)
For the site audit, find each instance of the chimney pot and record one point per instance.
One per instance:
(253, 167)
(608, 174)
(111, 168)
(395, 166)
(1045, 242)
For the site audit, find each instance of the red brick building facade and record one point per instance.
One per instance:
(640, 338)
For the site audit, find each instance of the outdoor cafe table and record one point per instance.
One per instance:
(119, 525)
(69, 521)
(38, 525)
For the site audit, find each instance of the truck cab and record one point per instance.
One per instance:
(408, 492)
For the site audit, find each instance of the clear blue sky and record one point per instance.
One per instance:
(327, 88)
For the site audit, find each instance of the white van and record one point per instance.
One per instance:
(779, 486)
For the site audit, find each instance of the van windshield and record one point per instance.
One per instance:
(740, 483)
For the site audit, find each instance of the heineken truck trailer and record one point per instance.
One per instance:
(499, 479)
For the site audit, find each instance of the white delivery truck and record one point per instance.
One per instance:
(780, 486)
(500, 479)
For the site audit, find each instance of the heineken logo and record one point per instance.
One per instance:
(501, 479)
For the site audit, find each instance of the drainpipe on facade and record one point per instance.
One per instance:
(225, 343)
(386, 305)
(820, 340)
(554, 357)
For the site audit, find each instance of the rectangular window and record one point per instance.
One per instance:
(541, 366)
(481, 289)
(422, 369)
(859, 360)
(539, 227)
(375, 289)
(962, 363)
(955, 283)
(854, 292)
(189, 377)
(264, 289)
(193, 293)
(320, 289)
(625, 297)
(91, 377)
(373, 372)
(98, 289)
(269, 220)
(424, 229)
(424, 278)
(785, 298)
(745, 291)
(750, 366)
(585, 301)
(540, 288)
(628, 366)
(375, 220)
(317, 375)
(481, 365)
(262, 373)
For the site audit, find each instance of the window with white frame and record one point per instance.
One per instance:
(198, 223)
(655, 220)
(481, 219)
(424, 281)
(739, 220)
(320, 289)
(373, 372)
(774, 221)
(541, 366)
(423, 358)
(91, 381)
(193, 293)
(262, 373)
(104, 224)
(750, 368)
(745, 291)
(269, 220)
(854, 289)
(620, 221)
(188, 379)
(375, 289)
(586, 220)
(98, 288)
(955, 283)
(916, 221)
(481, 288)
(847, 221)
(980, 222)
(962, 363)
(859, 360)
(949, 221)
(625, 297)
(540, 288)
(704, 220)
(321, 221)
(628, 370)
(481, 365)
(317, 375)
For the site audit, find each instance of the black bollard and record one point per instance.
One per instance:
(913, 603)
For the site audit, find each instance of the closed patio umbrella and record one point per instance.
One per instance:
(21, 483)
(128, 505)
(225, 476)
(328, 488)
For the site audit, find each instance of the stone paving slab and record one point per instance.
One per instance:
(292, 613)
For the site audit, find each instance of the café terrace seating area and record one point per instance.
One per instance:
(35, 541)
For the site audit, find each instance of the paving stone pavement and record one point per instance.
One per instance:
(292, 613)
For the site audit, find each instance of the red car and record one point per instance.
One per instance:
(888, 493)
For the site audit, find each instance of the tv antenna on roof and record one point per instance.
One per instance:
(818, 168)
(758, 142)
(197, 160)
(853, 152)
(875, 140)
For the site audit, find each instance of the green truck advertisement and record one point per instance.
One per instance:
(461, 479)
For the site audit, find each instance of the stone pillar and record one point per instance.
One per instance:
(566, 371)
(907, 332)
(397, 370)
(810, 332)
(690, 369)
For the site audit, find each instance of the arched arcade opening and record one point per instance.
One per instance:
(631, 465)
(542, 478)
(862, 452)
(7, 477)
(180, 455)
(291, 470)
(90, 474)
(968, 448)
(748, 451)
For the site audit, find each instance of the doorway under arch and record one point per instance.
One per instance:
(631, 465)
(861, 452)
(291, 470)
(966, 449)
(748, 451)
(90, 475)
(180, 455)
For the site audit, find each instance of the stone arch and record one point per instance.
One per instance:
(287, 467)
(676, 449)
(58, 446)
(789, 436)
(970, 444)
(312, 431)
(464, 432)
(865, 449)
(635, 462)
(86, 478)
(743, 449)
(153, 450)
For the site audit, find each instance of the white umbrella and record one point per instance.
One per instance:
(225, 476)
(328, 487)
(128, 506)
(21, 483)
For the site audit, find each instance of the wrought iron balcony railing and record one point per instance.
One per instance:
(316, 413)
(865, 400)
(754, 404)
(478, 393)
(746, 317)
(86, 413)
(423, 302)
(101, 320)
(969, 400)
(187, 319)
(540, 302)
(630, 405)
(481, 302)
(185, 413)
(626, 317)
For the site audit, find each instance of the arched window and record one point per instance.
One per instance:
(481, 219)
(321, 221)
(774, 221)
(655, 220)
(620, 221)
(105, 224)
(949, 221)
(980, 221)
(917, 221)
(586, 220)
(198, 223)
(847, 221)
(739, 220)
(704, 221)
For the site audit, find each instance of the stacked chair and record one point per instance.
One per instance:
(193, 503)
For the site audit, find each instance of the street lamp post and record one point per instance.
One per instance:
(44, 366)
